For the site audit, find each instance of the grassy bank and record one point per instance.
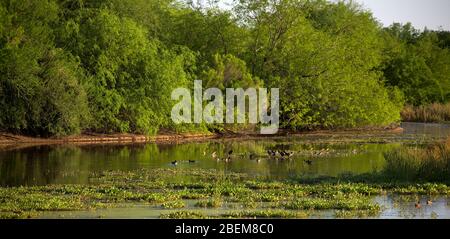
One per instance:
(433, 113)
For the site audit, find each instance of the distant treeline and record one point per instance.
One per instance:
(110, 65)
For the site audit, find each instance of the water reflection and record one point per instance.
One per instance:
(62, 164)
(330, 156)
(397, 206)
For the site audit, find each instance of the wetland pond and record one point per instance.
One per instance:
(316, 155)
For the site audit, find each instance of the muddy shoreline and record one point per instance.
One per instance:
(87, 139)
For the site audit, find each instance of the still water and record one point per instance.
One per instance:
(57, 165)
(330, 154)
(394, 207)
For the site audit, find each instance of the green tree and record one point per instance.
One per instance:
(130, 77)
(40, 92)
(417, 64)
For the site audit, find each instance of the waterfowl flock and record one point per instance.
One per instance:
(272, 154)
(280, 154)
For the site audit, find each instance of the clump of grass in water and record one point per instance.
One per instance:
(351, 202)
(356, 214)
(431, 164)
(184, 215)
(266, 214)
(214, 202)
(173, 204)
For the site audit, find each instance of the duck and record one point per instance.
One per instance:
(191, 161)
(309, 162)
(288, 154)
(227, 159)
(418, 205)
(252, 156)
(271, 153)
(174, 163)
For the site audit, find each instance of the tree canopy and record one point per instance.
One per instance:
(69, 66)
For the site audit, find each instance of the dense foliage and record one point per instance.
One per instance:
(111, 65)
(418, 63)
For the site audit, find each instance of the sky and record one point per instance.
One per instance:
(432, 14)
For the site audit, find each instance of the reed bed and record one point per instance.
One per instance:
(433, 113)
(430, 164)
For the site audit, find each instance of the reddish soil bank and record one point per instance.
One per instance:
(6, 138)
(168, 137)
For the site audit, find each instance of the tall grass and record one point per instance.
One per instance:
(433, 113)
(430, 164)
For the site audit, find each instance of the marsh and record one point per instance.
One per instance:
(141, 181)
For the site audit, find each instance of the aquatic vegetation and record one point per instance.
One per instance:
(349, 202)
(184, 215)
(254, 197)
(173, 204)
(356, 214)
(266, 214)
(214, 202)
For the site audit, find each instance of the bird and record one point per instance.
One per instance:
(174, 163)
(191, 161)
(271, 153)
(286, 154)
(417, 205)
(278, 152)
(429, 202)
(214, 154)
(227, 159)
(252, 156)
(309, 162)
(258, 160)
